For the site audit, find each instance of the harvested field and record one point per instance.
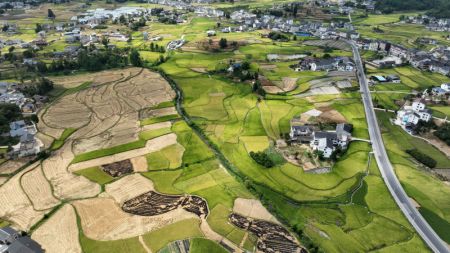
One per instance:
(15, 206)
(139, 164)
(108, 113)
(118, 169)
(129, 187)
(152, 145)
(331, 116)
(156, 126)
(65, 184)
(289, 84)
(102, 219)
(2, 180)
(96, 78)
(152, 203)
(252, 208)
(272, 89)
(45, 139)
(271, 237)
(60, 232)
(36, 186)
(11, 166)
(153, 113)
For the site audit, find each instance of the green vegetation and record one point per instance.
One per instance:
(60, 141)
(262, 158)
(443, 133)
(421, 157)
(167, 158)
(3, 223)
(150, 121)
(8, 113)
(95, 174)
(199, 245)
(151, 134)
(440, 226)
(117, 246)
(108, 151)
(177, 231)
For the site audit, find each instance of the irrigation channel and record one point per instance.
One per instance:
(251, 185)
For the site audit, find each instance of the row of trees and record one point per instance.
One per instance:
(421, 157)
(443, 133)
(8, 114)
(436, 8)
(262, 158)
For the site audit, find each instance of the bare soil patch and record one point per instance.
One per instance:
(60, 232)
(102, 219)
(289, 84)
(331, 116)
(252, 208)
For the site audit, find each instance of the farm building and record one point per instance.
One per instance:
(11, 241)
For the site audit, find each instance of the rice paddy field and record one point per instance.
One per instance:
(341, 210)
(348, 209)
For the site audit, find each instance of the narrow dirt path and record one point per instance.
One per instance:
(141, 240)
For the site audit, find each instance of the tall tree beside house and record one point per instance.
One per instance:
(223, 43)
(51, 15)
(135, 58)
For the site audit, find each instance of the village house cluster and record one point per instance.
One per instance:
(409, 116)
(326, 64)
(325, 142)
(431, 23)
(437, 60)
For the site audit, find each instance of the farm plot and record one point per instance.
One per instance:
(66, 184)
(129, 187)
(102, 77)
(15, 205)
(38, 189)
(152, 145)
(60, 232)
(108, 112)
(102, 219)
(252, 208)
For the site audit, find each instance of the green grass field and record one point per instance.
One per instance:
(95, 174)
(177, 231)
(199, 245)
(109, 151)
(60, 141)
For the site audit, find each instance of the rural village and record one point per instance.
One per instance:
(222, 126)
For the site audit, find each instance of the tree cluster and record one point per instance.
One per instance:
(262, 159)
(8, 114)
(436, 8)
(421, 157)
(443, 133)
(157, 48)
(41, 87)
(277, 36)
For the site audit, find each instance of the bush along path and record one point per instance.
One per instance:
(270, 198)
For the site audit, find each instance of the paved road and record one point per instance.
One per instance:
(387, 171)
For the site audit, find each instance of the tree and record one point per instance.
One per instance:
(223, 43)
(135, 58)
(105, 41)
(50, 14)
(38, 28)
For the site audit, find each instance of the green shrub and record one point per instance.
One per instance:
(262, 158)
(421, 157)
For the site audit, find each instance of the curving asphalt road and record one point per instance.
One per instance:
(387, 171)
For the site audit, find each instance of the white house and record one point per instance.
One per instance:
(446, 87)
